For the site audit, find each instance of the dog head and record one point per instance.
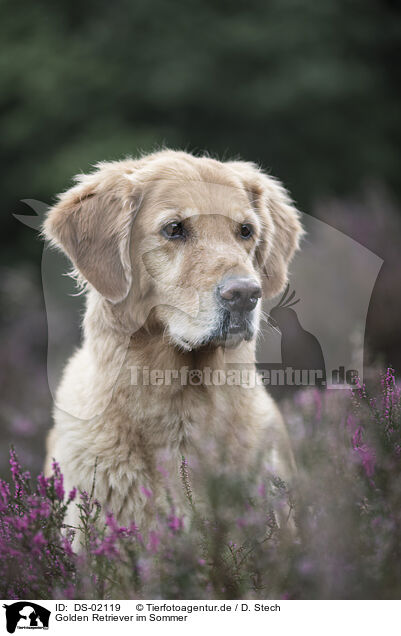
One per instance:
(186, 245)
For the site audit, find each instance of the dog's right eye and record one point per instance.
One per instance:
(174, 230)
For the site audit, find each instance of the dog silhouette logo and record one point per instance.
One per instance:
(26, 615)
(300, 349)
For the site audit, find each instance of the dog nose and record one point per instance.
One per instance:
(239, 294)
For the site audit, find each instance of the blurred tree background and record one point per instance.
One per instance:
(311, 90)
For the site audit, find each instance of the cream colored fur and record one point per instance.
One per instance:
(151, 302)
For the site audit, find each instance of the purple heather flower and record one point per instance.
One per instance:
(154, 541)
(23, 426)
(72, 494)
(15, 467)
(112, 524)
(67, 546)
(43, 484)
(38, 539)
(107, 548)
(241, 522)
(148, 493)
(366, 454)
(58, 481)
(262, 490)
(4, 491)
(175, 523)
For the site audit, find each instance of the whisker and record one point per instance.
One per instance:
(271, 323)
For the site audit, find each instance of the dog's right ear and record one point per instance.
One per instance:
(92, 222)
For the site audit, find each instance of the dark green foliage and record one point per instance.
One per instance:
(310, 89)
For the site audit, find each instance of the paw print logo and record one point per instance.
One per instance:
(195, 377)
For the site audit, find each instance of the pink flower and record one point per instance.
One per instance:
(4, 491)
(67, 546)
(175, 523)
(154, 541)
(43, 484)
(15, 466)
(38, 539)
(148, 493)
(58, 481)
(366, 454)
(242, 522)
(262, 490)
(23, 426)
(72, 495)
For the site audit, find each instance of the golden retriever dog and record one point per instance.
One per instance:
(175, 253)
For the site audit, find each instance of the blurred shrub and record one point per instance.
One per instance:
(310, 89)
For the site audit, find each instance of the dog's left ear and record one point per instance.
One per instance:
(92, 222)
(281, 227)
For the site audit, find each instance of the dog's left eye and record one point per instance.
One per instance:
(173, 230)
(246, 230)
